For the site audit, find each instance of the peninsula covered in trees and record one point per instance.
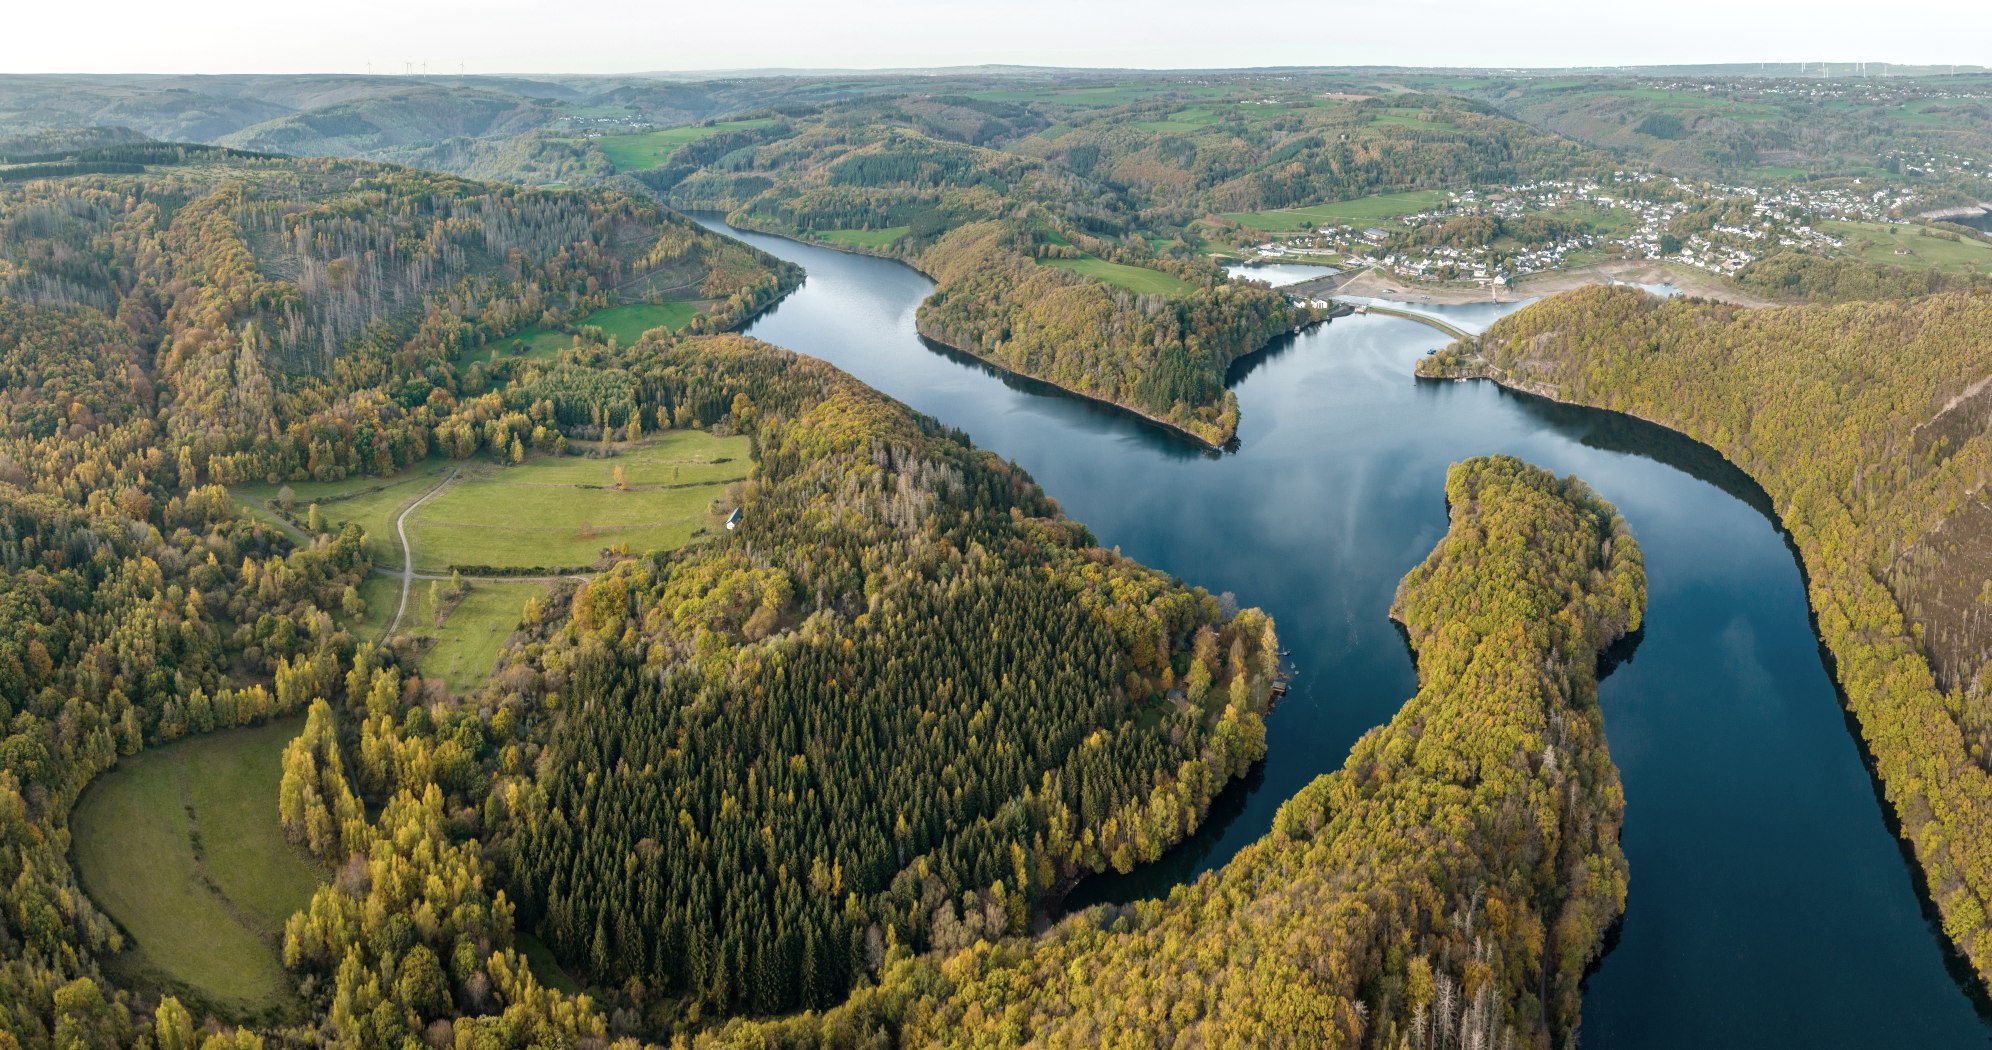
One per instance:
(815, 761)
(1447, 887)
(1877, 464)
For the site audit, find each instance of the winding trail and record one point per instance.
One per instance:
(408, 550)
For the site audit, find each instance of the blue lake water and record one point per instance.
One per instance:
(1770, 904)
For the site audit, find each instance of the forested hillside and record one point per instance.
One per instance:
(1712, 124)
(903, 701)
(910, 702)
(996, 232)
(1446, 888)
(1868, 425)
(906, 670)
(312, 318)
(194, 316)
(1061, 236)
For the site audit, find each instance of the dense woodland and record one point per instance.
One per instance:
(227, 317)
(1446, 888)
(913, 702)
(979, 194)
(221, 317)
(982, 223)
(815, 782)
(1868, 425)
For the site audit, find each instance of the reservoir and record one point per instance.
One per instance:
(1770, 904)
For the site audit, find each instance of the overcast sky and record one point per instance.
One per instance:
(615, 36)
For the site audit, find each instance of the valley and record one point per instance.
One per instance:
(996, 556)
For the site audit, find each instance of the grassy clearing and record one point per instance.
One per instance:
(1137, 279)
(381, 595)
(1363, 210)
(544, 966)
(372, 502)
(646, 150)
(1101, 95)
(182, 847)
(874, 240)
(533, 344)
(1409, 117)
(463, 648)
(1913, 246)
(629, 322)
(558, 512)
(1191, 119)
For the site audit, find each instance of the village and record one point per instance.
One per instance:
(1552, 224)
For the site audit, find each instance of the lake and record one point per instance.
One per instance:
(1770, 904)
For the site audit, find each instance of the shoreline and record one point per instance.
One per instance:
(1173, 429)
(1956, 963)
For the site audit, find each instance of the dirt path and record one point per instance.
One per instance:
(296, 534)
(408, 551)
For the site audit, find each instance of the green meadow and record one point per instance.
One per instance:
(872, 240)
(461, 646)
(645, 150)
(181, 845)
(559, 512)
(372, 502)
(1913, 246)
(629, 322)
(1137, 279)
(1356, 212)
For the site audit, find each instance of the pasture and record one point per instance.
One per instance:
(872, 240)
(1137, 279)
(628, 323)
(372, 502)
(646, 150)
(1911, 245)
(181, 845)
(462, 646)
(560, 512)
(1362, 211)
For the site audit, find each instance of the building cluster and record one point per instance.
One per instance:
(1629, 214)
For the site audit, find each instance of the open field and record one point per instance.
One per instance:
(1137, 279)
(1190, 119)
(381, 594)
(1362, 210)
(641, 152)
(1101, 95)
(532, 344)
(559, 512)
(372, 502)
(874, 240)
(552, 512)
(628, 322)
(464, 647)
(181, 845)
(544, 966)
(1412, 117)
(1914, 246)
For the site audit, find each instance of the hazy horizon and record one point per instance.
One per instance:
(519, 38)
